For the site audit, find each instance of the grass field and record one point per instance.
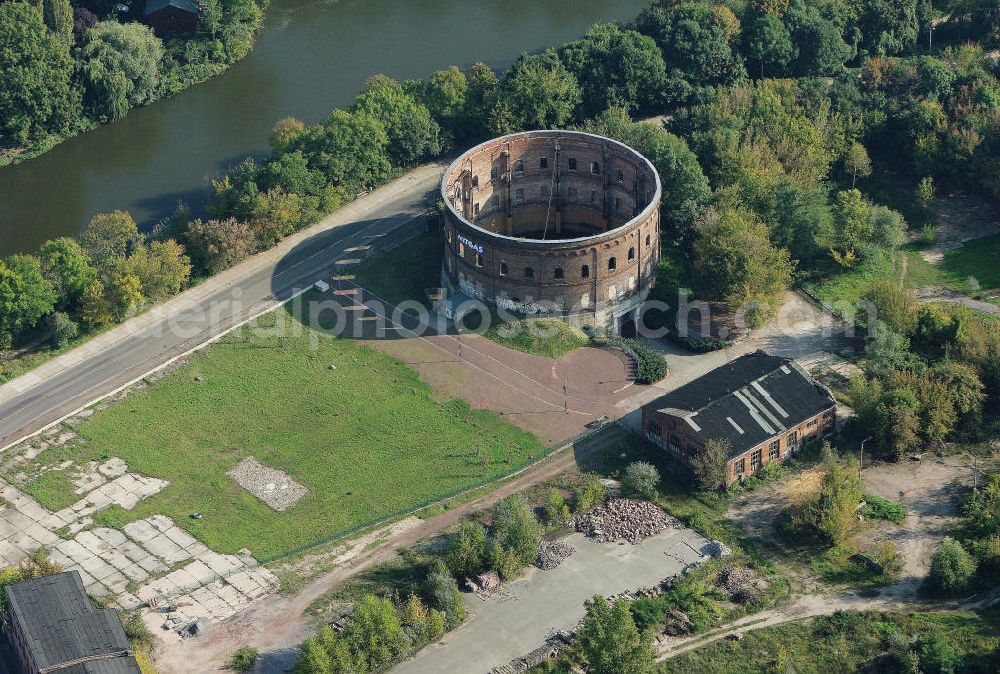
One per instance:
(368, 440)
(544, 337)
(847, 642)
(979, 259)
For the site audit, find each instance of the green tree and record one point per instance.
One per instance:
(210, 16)
(891, 304)
(769, 44)
(696, 43)
(94, 308)
(162, 268)
(556, 510)
(963, 384)
(349, 149)
(466, 554)
(833, 512)
(887, 351)
(67, 267)
(926, 192)
(820, 47)
(276, 214)
(124, 296)
(62, 329)
(286, 130)
(538, 92)
(243, 659)
(888, 26)
(215, 245)
(903, 430)
(615, 67)
(441, 590)
(120, 65)
(480, 99)
(107, 239)
(446, 95)
(709, 465)
(863, 227)
(641, 478)
(857, 162)
(514, 527)
(413, 134)
(25, 296)
(58, 17)
(610, 641)
(952, 567)
(375, 633)
(36, 94)
(735, 261)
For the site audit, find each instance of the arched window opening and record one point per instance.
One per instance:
(557, 273)
(631, 254)
(585, 271)
(612, 264)
(503, 268)
(529, 273)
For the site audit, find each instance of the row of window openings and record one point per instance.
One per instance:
(543, 163)
(544, 194)
(773, 452)
(557, 273)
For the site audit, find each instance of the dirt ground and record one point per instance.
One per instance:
(961, 218)
(929, 490)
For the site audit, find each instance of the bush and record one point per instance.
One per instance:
(650, 367)
(63, 329)
(641, 479)
(880, 508)
(590, 496)
(243, 659)
(466, 555)
(951, 567)
(556, 510)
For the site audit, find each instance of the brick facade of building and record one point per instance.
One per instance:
(555, 223)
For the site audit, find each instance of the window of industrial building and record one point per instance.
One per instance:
(543, 163)
(572, 163)
(811, 424)
(755, 461)
(529, 273)
(519, 167)
(793, 439)
(585, 271)
(461, 249)
(475, 181)
(475, 209)
(654, 428)
(612, 264)
(493, 173)
(631, 254)
(520, 196)
(496, 202)
(740, 466)
(647, 239)
(621, 177)
(448, 235)
(595, 168)
(774, 450)
(503, 268)
(557, 273)
(479, 259)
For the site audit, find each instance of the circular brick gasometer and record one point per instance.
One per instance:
(560, 224)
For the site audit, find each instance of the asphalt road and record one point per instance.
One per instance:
(195, 317)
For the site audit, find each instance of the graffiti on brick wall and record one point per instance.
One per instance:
(528, 308)
(470, 289)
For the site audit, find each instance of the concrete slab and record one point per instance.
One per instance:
(74, 551)
(141, 531)
(166, 549)
(135, 573)
(180, 537)
(112, 537)
(516, 622)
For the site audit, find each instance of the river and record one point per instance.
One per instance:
(310, 57)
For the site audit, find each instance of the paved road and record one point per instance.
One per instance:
(129, 351)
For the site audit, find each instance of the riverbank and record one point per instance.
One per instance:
(91, 50)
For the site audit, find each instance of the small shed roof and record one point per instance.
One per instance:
(184, 5)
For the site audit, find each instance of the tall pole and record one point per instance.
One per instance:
(861, 463)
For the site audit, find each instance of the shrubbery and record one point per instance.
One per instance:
(880, 508)
(952, 568)
(641, 479)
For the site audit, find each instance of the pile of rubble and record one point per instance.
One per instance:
(677, 623)
(623, 519)
(485, 584)
(742, 584)
(551, 554)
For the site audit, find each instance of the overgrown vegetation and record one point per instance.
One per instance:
(67, 66)
(944, 641)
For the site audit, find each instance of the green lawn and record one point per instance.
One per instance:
(838, 284)
(979, 259)
(368, 440)
(847, 642)
(544, 337)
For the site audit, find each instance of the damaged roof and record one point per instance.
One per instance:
(753, 398)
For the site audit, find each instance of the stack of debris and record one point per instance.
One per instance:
(551, 554)
(741, 584)
(623, 519)
(485, 584)
(677, 623)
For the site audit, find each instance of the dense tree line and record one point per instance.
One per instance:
(772, 110)
(68, 65)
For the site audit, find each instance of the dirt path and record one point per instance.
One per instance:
(278, 626)
(940, 294)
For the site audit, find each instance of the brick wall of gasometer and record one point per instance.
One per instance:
(490, 176)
